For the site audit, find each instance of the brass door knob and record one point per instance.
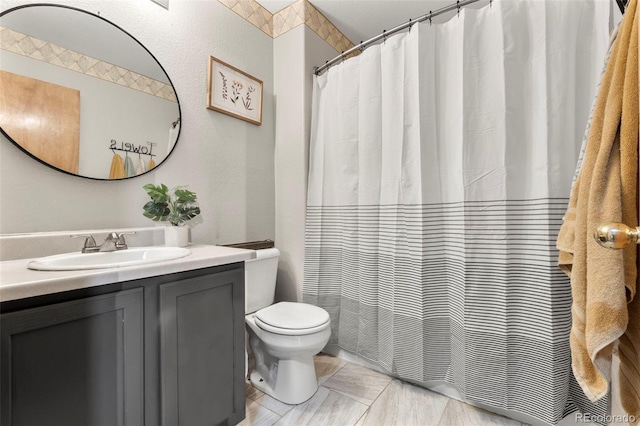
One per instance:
(615, 235)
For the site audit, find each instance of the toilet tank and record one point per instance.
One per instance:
(260, 280)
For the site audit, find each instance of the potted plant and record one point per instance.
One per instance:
(177, 206)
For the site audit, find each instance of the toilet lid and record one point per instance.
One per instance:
(293, 316)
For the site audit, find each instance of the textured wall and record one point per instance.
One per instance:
(296, 53)
(227, 161)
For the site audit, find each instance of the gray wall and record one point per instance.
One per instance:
(228, 162)
(293, 88)
(251, 180)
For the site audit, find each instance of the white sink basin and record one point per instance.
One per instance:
(112, 259)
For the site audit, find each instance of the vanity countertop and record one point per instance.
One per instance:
(19, 282)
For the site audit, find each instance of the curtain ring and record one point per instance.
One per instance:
(458, 6)
(384, 36)
(430, 15)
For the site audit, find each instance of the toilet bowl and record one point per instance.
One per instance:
(284, 337)
(284, 350)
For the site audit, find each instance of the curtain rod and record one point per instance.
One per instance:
(363, 45)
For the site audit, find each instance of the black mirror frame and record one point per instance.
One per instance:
(141, 45)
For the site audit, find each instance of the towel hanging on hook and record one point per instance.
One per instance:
(129, 169)
(140, 169)
(117, 167)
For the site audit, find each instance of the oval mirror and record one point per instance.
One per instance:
(81, 95)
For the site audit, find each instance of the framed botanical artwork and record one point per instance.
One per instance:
(234, 92)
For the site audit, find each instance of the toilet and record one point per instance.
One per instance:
(284, 336)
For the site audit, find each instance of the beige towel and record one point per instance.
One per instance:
(140, 169)
(117, 168)
(604, 280)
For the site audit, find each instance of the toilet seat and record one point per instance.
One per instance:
(292, 319)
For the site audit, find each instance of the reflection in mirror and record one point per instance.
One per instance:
(83, 96)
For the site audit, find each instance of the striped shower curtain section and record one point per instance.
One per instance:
(440, 167)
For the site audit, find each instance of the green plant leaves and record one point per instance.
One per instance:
(157, 193)
(185, 196)
(188, 212)
(176, 206)
(156, 211)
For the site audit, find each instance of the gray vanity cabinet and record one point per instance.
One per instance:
(165, 350)
(74, 363)
(202, 334)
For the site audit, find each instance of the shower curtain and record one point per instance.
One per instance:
(440, 167)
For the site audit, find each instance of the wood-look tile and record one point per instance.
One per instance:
(274, 405)
(359, 383)
(252, 393)
(301, 413)
(405, 404)
(461, 414)
(351, 395)
(257, 415)
(325, 408)
(327, 366)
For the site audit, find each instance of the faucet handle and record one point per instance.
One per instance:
(89, 242)
(121, 243)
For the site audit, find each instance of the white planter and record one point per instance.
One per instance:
(177, 236)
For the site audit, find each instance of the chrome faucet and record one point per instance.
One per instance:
(114, 241)
(89, 243)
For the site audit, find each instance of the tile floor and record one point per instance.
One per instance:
(349, 394)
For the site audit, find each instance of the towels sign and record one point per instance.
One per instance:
(129, 147)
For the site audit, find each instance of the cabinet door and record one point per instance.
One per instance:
(74, 363)
(202, 356)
